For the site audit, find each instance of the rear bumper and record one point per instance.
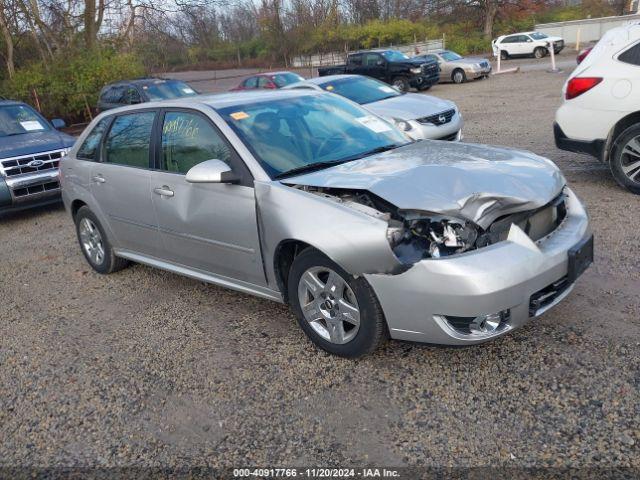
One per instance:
(594, 148)
(511, 275)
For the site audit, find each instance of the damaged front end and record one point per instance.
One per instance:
(415, 235)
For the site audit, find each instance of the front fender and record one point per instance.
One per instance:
(355, 241)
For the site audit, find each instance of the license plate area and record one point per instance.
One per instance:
(580, 257)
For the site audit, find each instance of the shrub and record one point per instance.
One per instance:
(70, 85)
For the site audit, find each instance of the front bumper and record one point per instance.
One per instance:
(503, 276)
(451, 130)
(473, 74)
(423, 81)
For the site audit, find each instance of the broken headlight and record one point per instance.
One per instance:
(431, 237)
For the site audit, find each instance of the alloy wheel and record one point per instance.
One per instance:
(630, 160)
(329, 305)
(91, 241)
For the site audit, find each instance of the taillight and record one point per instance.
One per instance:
(583, 54)
(579, 85)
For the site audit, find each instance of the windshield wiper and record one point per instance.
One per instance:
(312, 167)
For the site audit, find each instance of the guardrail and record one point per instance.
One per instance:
(334, 58)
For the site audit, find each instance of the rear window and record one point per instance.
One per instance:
(631, 56)
(90, 148)
(167, 89)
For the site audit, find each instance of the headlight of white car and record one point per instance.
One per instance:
(416, 70)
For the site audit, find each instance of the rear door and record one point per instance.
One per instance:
(121, 182)
(209, 227)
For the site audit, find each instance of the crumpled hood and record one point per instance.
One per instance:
(35, 142)
(409, 106)
(476, 182)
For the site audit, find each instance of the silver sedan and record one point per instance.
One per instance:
(420, 116)
(307, 198)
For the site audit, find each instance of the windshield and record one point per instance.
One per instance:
(297, 132)
(538, 36)
(395, 56)
(166, 90)
(20, 119)
(284, 79)
(450, 56)
(361, 90)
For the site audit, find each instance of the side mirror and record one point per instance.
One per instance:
(211, 171)
(58, 123)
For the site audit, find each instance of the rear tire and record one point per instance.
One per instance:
(625, 159)
(95, 245)
(458, 76)
(401, 83)
(539, 52)
(338, 312)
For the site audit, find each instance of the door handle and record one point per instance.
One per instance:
(163, 191)
(98, 179)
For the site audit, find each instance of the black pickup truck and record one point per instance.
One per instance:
(390, 66)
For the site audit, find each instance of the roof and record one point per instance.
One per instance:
(4, 101)
(329, 78)
(142, 81)
(267, 74)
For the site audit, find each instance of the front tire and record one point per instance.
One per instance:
(338, 312)
(95, 245)
(458, 76)
(539, 52)
(401, 83)
(504, 55)
(625, 159)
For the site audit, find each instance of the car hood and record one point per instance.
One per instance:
(409, 106)
(475, 182)
(35, 142)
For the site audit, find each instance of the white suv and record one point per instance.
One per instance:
(526, 44)
(601, 112)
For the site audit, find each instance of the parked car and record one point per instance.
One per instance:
(420, 116)
(529, 44)
(456, 68)
(583, 54)
(390, 66)
(132, 92)
(600, 115)
(305, 197)
(270, 81)
(30, 152)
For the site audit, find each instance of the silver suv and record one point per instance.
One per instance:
(305, 197)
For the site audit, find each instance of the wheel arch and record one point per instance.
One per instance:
(283, 257)
(620, 126)
(75, 206)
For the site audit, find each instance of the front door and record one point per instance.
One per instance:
(121, 183)
(211, 227)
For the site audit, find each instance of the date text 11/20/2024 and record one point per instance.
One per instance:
(315, 473)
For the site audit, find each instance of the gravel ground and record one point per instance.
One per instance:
(146, 368)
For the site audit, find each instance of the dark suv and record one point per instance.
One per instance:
(30, 152)
(130, 92)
